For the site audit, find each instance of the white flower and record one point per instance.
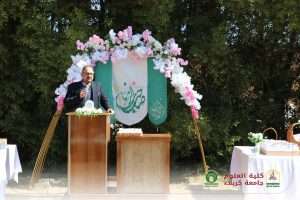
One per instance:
(157, 46)
(99, 110)
(135, 40)
(151, 39)
(61, 90)
(74, 77)
(102, 56)
(83, 63)
(73, 69)
(180, 80)
(88, 109)
(78, 57)
(107, 45)
(159, 64)
(141, 51)
(91, 45)
(119, 53)
(66, 83)
(182, 84)
(79, 110)
(177, 69)
(112, 36)
(192, 101)
(197, 104)
(255, 137)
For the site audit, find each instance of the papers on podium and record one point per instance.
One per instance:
(130, 131)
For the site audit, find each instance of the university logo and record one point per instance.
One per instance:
(273, 178)
(211, 179)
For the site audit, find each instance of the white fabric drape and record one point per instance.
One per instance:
(286, 168)
(10, 166)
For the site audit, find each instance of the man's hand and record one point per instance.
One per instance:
(82, 94)
(111, 111)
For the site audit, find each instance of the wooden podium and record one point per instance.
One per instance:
(87, 153)
(143, 163)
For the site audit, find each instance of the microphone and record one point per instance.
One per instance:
(82, 88)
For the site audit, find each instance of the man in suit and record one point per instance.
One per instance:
(86, 89)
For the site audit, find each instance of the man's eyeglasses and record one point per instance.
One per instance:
(85, 73)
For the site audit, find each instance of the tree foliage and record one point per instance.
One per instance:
(244, 59)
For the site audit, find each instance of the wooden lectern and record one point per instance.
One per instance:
(87, 153)
(143, 163)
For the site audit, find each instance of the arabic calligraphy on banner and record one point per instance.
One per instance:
(130, 100)
(157, 109)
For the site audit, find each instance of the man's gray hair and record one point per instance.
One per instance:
(86, 66)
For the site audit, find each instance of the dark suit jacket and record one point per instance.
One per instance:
(73, 100)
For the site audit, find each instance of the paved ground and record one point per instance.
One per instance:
(185, 185)
(56, 188)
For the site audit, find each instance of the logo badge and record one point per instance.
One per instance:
(211, 179)
(273, 178)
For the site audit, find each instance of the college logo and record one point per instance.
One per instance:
(273, 178)
(211, 179)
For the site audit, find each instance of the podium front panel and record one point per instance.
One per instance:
(143, 163)
(87, 153)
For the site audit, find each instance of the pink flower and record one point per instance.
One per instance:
(168, 72)
(173, 47)
(104, 58)
(149, 52)
(146, 35)
(60, 103)
(189, 94)
(118, 41)
(129, 31)
(96, 40)
(175, 50)
(182, 62)
(121, 35)
(100, 56)
(80, 45)
(132, 55)
(194, 111)
(118, 54)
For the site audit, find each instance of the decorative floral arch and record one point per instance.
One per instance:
(117, 46)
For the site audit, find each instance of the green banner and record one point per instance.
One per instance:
(103, 75)
(157, 95)
(157, 90)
